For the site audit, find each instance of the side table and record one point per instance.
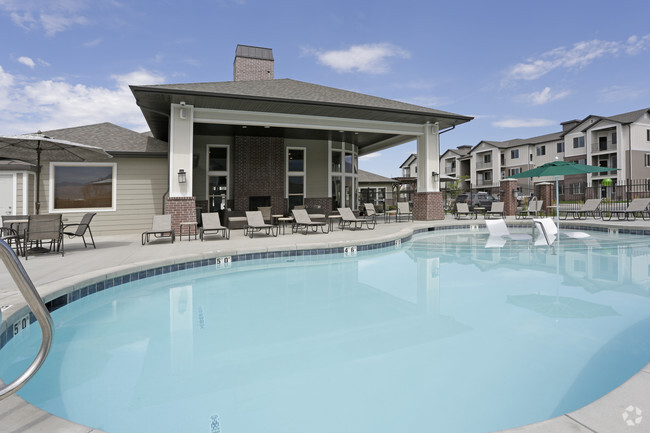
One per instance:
(189, 225)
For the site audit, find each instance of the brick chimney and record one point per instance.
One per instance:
(253, 63)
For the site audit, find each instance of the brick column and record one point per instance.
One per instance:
(428, 206)
(507, 188)
(545, 193)
(182, 209)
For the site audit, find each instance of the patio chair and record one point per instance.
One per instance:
(211, 223)
(302, 220)
(82, 227)
(588, 208)
(498, 228)
(42, 228)
(10, 236)
(403, 210)
(462, 209)
(371, 211)
(161, 227)
(637, 206)
(348, 218)
(534, 209)
(266, 213)
(496, 209)
(551, 232)
(255, 223)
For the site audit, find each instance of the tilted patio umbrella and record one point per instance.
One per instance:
(34, 147)
(557, 169)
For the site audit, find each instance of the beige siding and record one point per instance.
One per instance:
(317, 166)
(19, 193)
(141, 183)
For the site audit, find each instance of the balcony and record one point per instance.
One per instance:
(603, 147)
(484, 165)
(450, 169)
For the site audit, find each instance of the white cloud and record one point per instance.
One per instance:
(544, 97)
(27, 61)
(578, 56)
(52, 16)
(370, 156)
(621, 93)
(28, 106)
(368, 58)
(523, 123)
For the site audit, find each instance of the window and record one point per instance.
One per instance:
(647, 134)
(541, 150)
(560, 147)
(647, 159)
(613, 138)
(582, 161)
(217, 177)
(348, 162)
(337, 161)
(296, 176)
(487, 175)
(578, 142)
(513, 171)
(487, 158)
(77, 187)
(514, 154)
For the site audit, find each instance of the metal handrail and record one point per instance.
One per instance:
(35, 302)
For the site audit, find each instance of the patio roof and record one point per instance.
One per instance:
(286, 96)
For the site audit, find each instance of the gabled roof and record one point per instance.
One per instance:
(624, 119)
(112, 138)
(282, 96)
(412, 157)
(368, 177)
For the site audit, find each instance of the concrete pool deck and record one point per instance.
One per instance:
(621, 410)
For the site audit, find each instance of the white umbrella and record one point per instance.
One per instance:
(33, 147)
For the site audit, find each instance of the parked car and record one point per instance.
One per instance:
(480, 199)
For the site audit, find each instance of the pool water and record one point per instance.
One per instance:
(439, 334)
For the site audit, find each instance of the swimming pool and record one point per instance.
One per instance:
(438, 334)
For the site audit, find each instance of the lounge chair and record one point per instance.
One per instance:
(588, 208)
(211, 223)
(462, 209)
(496, 209)
(161, 227)
(403, 211)
(371, 211)
(637, 206)
(302, 220)
(551, 232)
(42, 228)
(534, 209)
(498, 229)
(255, 223)
(82, 227)
(266, 213)
(348, 218)
(10, 236)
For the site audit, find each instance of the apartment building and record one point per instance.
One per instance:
(621, 141)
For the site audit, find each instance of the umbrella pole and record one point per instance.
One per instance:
(557, 204)
(38, 177)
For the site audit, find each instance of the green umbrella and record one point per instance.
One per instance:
(560, 168)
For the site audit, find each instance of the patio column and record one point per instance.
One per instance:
(546, 193)
(428, 203)
(507, 195)
(181, 203)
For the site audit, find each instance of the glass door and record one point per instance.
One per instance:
(217, 174)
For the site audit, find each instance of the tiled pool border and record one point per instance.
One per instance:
(6, 332)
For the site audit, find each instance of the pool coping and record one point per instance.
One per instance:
(611, 413)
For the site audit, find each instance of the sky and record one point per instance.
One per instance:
(520, 68)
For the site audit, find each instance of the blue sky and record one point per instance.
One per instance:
(519, 67)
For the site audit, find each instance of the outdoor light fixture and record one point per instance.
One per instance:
(183, 111)
(435, 176)
(182, 176)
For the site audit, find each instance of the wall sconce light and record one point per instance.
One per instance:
(182, 176)
(435, 176)
(183, 111)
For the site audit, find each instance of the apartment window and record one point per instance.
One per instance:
(560, 147)
(487, 158)
(513, 171)
(578, 142)
(296, 171)
(613, 138)
(514, 154)
(541, 150)
(82, 186)
(647, 159)
(582, 161)
(647, 134)
(487, 175)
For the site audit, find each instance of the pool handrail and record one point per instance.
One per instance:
(36, 304)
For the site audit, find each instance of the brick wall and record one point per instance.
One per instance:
(428, 206)
(259, 170)
(509, 201)
(247, 69)
(324, 204)
(182, 209)
(546, 193)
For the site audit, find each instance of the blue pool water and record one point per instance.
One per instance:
(439, 334)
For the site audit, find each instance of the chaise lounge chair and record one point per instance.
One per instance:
(372, 212)
(462, 209)
(161, 227)
(496, 209)
(82, 227)
(637, 206)
(499, 230)
(551, 232)
(255, 223)
(589, 208)
(534, 209)
(348, 218)
(211, 223)
(302, 220)
(403, 211)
